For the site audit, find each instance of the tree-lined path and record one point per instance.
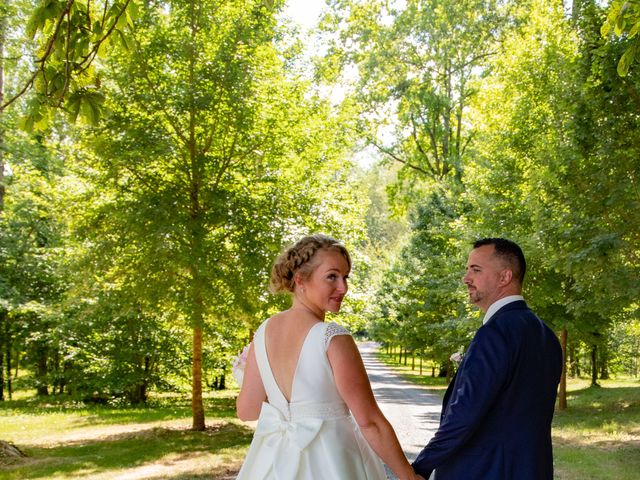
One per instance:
(413, 411)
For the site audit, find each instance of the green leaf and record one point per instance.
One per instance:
(620, 25)
(74, 102)
(27, 123)
(625, 62)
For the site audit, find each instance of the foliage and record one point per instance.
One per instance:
(421, 305)
(623, 21)
(415, 69)
(32, 259)
(560, 174)
(67, 37)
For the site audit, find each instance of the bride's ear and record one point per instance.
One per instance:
(297, 281)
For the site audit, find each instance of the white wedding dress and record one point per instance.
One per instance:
(313, 437)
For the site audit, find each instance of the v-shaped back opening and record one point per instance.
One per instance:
(297, 365)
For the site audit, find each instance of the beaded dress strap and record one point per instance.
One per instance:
(332, 330)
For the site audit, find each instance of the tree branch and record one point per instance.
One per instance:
(398, 159)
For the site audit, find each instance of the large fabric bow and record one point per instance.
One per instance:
(285, 439)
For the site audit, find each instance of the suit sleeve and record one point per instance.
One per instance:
(479, 381)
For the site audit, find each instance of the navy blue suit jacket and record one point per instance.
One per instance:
(497, 412)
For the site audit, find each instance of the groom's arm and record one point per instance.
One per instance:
(481, 376)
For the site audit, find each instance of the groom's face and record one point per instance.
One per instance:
(483, 276)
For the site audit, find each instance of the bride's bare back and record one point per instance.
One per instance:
(285, 336)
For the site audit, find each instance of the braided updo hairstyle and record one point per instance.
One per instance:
(297, 259)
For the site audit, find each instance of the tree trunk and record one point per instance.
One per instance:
(3, 28)
(576, 363)
(7, 350)
(562, 393)
(604, 363)
(42, 371)
(198, 234)
(573, 362)
(197, 323)
(3, 322)
(197, 406)
(1, 360)
(594, 366)
(3, 314)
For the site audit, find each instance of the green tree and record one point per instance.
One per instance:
(552, 158)
(210, 159)
(422, 292)
(32, 263)
(415, 70)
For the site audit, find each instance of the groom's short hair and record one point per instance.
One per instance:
(508, 251)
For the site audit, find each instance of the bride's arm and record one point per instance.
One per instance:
(355, 389)
(252, 393)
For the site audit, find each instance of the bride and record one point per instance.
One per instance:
(306, 384)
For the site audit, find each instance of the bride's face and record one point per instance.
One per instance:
(326, 287)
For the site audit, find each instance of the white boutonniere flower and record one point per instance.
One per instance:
(457, 357)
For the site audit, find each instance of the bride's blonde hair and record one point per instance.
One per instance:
(297, 259)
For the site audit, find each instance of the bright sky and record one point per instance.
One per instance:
(304, 12)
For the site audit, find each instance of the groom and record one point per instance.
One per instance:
(497, 411)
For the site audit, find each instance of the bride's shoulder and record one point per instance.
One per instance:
(333, 329)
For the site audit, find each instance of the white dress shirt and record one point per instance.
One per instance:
(498, 304)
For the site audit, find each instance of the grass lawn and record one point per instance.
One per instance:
(596, 438)
(65, 440)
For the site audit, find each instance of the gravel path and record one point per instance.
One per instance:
(413, 412)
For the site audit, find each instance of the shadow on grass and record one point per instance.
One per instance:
(595, 407)
(84, 458)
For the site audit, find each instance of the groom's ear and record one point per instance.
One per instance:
(506, 276)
